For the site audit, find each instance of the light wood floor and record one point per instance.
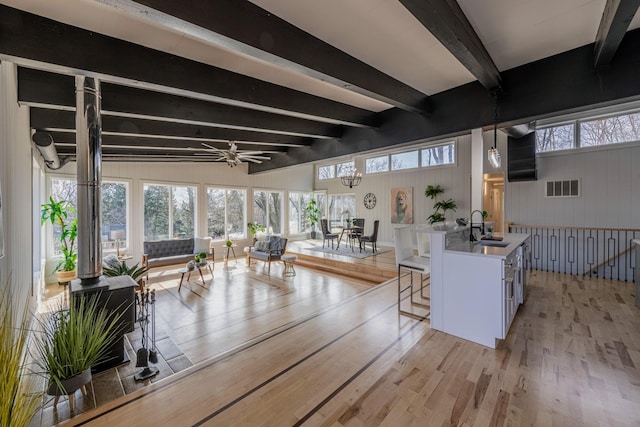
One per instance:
(320, 350)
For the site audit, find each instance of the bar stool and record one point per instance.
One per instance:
(407, 261)
(289, 260)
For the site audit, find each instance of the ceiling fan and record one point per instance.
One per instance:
(234, 157)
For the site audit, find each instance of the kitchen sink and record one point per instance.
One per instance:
(494, 243)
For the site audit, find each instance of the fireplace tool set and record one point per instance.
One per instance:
(146, 309)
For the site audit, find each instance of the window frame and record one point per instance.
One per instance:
(226, 211)
(171, 186)
(282, 212)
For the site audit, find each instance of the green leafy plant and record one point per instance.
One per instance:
(71, 340)
(228, 243)
(18, 401)
(254, 227)
(58, 212)
(123, 270)
(202, 255)
(440, 206)
(313, 213)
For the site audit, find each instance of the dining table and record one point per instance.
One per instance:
(348, 229)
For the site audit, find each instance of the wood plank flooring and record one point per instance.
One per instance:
(318, 349)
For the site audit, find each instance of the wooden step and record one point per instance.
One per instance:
(368, 273)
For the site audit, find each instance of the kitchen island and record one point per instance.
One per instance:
(476, 287)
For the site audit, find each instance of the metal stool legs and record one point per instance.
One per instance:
(411, 290)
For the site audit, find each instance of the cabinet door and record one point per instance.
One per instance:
(510, 303)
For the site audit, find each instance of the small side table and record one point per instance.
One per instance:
(198, 267)
(289, 260)
(233, 251)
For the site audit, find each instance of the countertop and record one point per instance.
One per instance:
(477, 249)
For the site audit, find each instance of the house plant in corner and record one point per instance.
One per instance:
(71, 340)
(121, 269)
(62, 214)
(313, 214)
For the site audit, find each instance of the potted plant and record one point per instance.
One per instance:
(71, 340)
(228, 243)
(121, 269)
(313, 214)
(59, 213)
(441, 206)
(18, 401)
(201, 257)
(254, 227)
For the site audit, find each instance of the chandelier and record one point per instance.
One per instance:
(352, 179)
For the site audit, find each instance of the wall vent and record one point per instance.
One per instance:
(565, 188)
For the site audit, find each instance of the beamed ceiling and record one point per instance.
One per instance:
(306, 80)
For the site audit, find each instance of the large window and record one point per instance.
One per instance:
(341, 207)
(114, 211)
(267, 210)
(590, 132)
(226, 213)
(169, 211)
(298, 221)
(434, 155)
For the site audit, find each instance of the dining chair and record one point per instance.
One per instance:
(356, 233)
(326, 234)
(373, 238)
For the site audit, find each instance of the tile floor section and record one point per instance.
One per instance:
(116, 382)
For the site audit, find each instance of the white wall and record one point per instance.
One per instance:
(610, 192)
(15, 176)
(456, 180)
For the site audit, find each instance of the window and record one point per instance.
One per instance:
(169, 212)
(376, 164)
(341, 207)
(611, 130)
(326, 172)
(267, 209)
(113, 215)
(345, 169)
(298, 222)
(439, 155)
(408, 160)
(226, 213)
(555, 138)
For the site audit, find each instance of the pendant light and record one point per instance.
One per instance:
(493, 154)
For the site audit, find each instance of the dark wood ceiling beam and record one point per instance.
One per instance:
(558, 85)
(31, 37)
(245, 27)
(448, 23)
(43, 118)
(37, 87)
(615, 21)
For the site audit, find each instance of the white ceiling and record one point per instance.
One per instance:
(381, 33)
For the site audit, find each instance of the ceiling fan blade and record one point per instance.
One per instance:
(212, 147)
(253, 160)
(256, 157)
(249, 153)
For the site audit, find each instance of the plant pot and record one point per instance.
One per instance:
(64, 277)
(313, 235)
(71, 385)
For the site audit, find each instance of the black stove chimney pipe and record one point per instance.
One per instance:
(88, 164)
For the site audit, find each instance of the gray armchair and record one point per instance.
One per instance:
(269, 250)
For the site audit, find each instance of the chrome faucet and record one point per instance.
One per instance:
(479, 226)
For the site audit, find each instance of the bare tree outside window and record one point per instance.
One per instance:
(555, 138)
(326, 172)
(408, 160)
(439, 155)
(345, 169)
(611, 130)
(267, 209)
(376, 164)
